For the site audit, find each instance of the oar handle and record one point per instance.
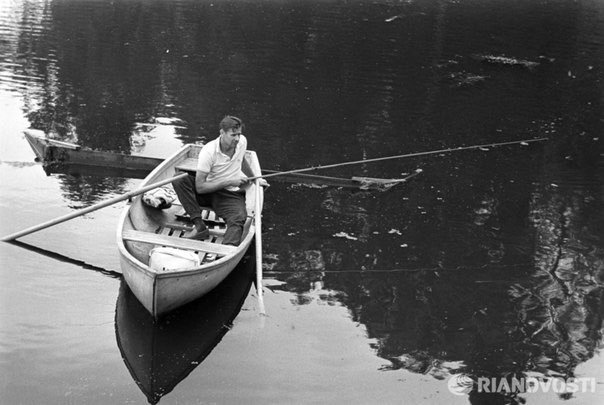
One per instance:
(90, 209)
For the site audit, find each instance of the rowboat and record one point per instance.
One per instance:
(160, 354)
(142, 229)
(56, 155)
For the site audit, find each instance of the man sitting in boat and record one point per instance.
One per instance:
(218, 182)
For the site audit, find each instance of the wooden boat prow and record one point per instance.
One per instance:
(59, 156)
(142, 228)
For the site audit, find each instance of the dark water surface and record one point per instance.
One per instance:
(490, 263)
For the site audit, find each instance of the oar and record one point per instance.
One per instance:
(432, 152)
(90, 209)
(258, 235)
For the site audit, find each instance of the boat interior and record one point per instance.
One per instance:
(146, 228)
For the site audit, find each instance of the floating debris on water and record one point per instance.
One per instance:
(466, 79)
(504, 60)
(345, 235)
(395, 231)
(547, 59)
(447, 63)
(393, 18)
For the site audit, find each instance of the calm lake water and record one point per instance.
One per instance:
(488, 264)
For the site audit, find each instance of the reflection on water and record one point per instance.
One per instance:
(87, 190)
(489, 263)
(509, 290)
(159, 355)
(502, 280)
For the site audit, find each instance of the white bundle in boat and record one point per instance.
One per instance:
(161, 197)
(167, 259)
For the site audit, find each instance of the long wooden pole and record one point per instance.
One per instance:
(258, 237)
(432, 152)
(90, 209)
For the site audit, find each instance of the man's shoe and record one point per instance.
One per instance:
(198, 235)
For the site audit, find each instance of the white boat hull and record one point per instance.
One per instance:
(162, 291)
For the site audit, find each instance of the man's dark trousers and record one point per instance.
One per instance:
(228, 205)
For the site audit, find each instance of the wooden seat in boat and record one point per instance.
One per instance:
(177, 242)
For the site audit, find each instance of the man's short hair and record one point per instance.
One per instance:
(230, 122)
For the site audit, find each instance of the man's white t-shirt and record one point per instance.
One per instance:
(218, 165)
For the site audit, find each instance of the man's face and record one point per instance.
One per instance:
(231, 137)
